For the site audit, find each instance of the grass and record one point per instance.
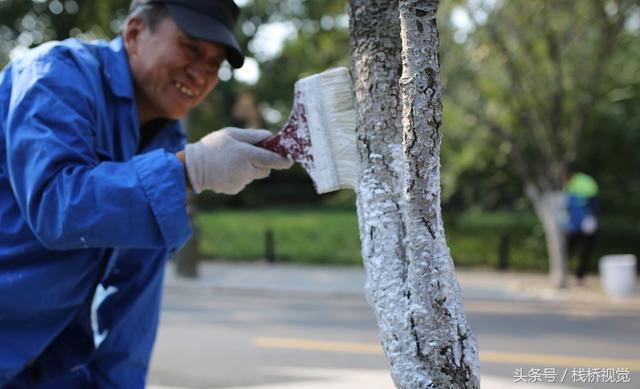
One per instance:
(303, 236)
(330, 236)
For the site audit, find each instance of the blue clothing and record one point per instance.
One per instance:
(90, 210)
(579, 209)
(582, 198)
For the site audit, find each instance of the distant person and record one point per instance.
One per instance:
(582, 206)
(94, 173)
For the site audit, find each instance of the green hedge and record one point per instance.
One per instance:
(330, 236)
(301, 236)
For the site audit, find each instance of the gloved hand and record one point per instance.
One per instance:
(225, 161)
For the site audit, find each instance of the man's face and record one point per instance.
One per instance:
(172, 71)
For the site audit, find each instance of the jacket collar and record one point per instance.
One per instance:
(117, 70)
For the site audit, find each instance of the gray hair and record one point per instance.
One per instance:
(151, 14)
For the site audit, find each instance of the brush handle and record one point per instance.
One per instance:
(274, 143)
(294, 139)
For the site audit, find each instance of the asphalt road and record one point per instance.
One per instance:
(224, 338)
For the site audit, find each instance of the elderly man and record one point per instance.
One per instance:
(93, 177)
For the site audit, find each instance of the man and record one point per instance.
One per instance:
(93, 178)
(582, 204)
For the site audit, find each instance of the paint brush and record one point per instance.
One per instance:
(320, 132)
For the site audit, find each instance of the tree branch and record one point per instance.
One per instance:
(527, 116)
(611, 29)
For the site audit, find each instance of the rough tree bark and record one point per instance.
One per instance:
(411, 283)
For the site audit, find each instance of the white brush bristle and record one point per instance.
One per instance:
(328, 98)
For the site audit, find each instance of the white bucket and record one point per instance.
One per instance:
(618, 274)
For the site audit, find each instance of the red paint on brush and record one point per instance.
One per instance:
(294, 139)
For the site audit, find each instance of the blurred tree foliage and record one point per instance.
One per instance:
(27, 23)
(544, 82)
(478, 85)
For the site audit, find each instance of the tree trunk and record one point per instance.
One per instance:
(443, 337)
(187, 259)
(411, 283)
(551, 210)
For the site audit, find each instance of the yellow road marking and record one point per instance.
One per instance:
(548, 360)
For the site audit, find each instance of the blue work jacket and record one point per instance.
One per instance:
(82, 189)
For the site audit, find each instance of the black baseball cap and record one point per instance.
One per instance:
(210, 20)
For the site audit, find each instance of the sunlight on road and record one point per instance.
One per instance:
(564, 361)
(353, 379)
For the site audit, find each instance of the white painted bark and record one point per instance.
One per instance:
(411, 283)
(375, 46)
(551, 210)
(441, 330)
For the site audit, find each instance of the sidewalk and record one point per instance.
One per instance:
(476, 285)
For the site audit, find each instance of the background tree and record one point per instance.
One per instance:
(410, 283)
(534, 75)
(24, 24)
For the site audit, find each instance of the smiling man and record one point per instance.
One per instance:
(93, 179)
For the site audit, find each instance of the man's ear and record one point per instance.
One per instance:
(132, 32)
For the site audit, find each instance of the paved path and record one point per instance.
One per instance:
(485, 285)
(478, 288)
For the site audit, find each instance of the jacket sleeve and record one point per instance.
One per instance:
(70, 198)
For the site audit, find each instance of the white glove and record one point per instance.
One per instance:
(225, 161)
